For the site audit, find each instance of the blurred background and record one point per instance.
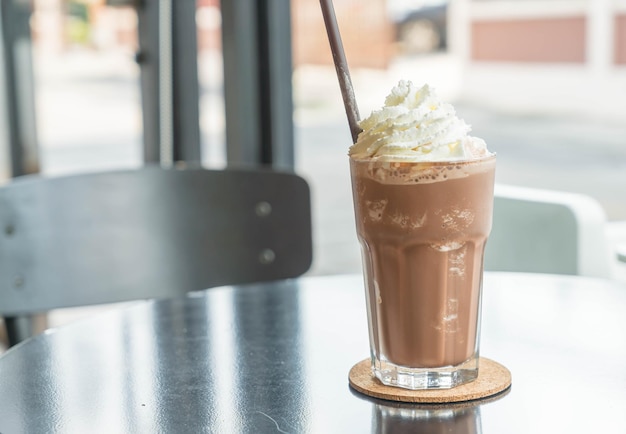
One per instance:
(542, 81)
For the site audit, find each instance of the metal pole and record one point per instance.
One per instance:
(166, 87)
(185, 108)
(19, 86)
(169, 81)
(275, 68)
(256, 45)
(148, 59)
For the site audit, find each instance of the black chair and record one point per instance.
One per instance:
(145, 233)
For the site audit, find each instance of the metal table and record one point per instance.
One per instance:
(275, 358)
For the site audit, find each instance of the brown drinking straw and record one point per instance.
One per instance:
(341, 66)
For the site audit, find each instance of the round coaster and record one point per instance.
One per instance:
(493, 378)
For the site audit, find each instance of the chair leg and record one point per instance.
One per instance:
(22, 327)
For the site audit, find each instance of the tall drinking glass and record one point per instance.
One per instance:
(422, 227)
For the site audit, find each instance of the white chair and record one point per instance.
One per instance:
(616, 235)
(543, 231)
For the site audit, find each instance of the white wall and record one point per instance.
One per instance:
(595, 88)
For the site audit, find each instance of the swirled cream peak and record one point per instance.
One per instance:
(415, 125)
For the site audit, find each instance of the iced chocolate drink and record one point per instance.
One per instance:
(423, 195)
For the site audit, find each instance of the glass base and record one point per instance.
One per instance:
(446, 377)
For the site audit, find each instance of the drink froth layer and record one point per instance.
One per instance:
(409, 173)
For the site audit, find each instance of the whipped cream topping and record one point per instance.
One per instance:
(414, 125)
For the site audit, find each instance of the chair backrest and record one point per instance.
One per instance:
(545, 231)
(147, 233)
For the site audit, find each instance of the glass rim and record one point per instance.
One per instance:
(438, 163)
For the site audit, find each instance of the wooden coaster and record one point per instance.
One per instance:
(493, 378)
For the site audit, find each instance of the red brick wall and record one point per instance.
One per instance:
(550, 40)
(620, 39)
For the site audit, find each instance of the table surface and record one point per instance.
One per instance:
(275, 358)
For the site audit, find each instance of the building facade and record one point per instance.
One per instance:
(565, 56)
